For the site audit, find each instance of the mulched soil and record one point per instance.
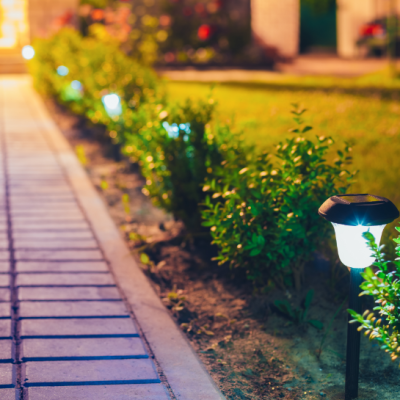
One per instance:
(250, 350)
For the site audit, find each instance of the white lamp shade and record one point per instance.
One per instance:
(352, 247)
(112, 104)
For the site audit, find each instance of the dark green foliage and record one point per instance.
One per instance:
(100, 67)
(384, 286)
(176, 164)
(263, 217)
(299, 315)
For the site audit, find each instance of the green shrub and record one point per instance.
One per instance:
(100, 67)
(178, 150)
(384, 286)
(263, 217)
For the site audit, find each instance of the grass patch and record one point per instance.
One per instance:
(364, 111)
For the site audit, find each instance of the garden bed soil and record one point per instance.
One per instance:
(250, 350)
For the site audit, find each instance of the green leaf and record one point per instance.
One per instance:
(255, 252)
(285, 307)
(316, 324)
(308, 299)
(144, 259)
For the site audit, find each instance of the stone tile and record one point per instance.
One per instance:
(4, 255)
(5, 310)
(47, 214)
(4, 266)
(62, 255)
(46, 373)
(77, 327)
(67, 293)
(54, 266)
(5, 329)
(37, 207)
(47, 225)
(4, 294)
(53, 235)
(92, 279)
(46, 221)
(37, 244)
(28, 198)
(4, 280)
(5, 351)
(8, 394)
(46, 218)
(71, 309)
(82, 348)
(6, 376)
(153, 391)
(3, 244)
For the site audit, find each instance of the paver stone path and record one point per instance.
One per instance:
(67, 329)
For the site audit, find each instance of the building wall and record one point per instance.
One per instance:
(276, 26)
(45, 16)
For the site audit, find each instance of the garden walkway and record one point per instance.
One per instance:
(78, 319)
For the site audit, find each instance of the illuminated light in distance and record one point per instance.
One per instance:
(62, 70)
(76, 85)
(173, 130)
(28, 52)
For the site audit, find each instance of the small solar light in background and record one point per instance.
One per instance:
(173, 130)
(77, 85)
(28, 52)
(112, 104)
(62, 70)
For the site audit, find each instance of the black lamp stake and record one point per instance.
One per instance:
(348, 213)
(353, 336)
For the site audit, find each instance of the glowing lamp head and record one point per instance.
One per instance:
(28, 52)
(112, 104)
(352, 215)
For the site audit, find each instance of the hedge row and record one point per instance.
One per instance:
(260, 208)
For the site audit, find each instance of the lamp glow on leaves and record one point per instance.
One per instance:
(62, 70)
(352, 215)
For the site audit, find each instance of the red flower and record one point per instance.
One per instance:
(372, 30)
(97, 14)
(204, 32)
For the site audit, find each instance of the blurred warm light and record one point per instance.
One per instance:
(13, 23)
(28, 52)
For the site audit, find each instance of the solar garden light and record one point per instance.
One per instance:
(112, 104)
(352, 215)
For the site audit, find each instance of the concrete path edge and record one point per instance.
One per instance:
(184, 371)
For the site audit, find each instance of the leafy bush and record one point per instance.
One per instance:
(177, 151)
(93, 69)
(384, 286)
(263, 217)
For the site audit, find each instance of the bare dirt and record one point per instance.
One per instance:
(249, 348)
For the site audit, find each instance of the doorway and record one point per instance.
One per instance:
(318, 26)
